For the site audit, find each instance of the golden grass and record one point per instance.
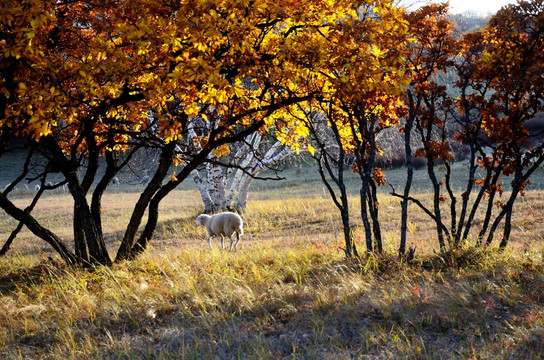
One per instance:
(286, 293)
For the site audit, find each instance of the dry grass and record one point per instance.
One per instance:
(286, 293)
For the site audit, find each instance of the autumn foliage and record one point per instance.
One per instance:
(85, 81)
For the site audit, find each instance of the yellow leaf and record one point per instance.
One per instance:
(376, 50)
(191, 109)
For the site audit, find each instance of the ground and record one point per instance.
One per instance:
(288, 292)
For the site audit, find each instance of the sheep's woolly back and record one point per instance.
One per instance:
(226, 223)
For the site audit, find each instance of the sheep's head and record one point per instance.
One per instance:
(199, 220)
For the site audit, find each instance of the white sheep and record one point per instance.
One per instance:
(222, 224)
(37, 188)
(115, 181)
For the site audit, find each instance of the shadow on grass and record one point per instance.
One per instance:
(413, 313)
(25, 277)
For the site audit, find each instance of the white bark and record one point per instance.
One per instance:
(252, 142)
(213, 192)
(216, 186)
(206, 199)
(241, 199)
(250, 154)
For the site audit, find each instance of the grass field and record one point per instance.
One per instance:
(287, 293)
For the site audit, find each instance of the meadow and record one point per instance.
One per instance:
(286, 293)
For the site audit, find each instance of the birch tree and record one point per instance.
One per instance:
(228, 179)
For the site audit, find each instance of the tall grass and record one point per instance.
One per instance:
(286, 293)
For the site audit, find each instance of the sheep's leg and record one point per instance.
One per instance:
(231, 242)
(222, 245)
(210, 241)
(237, 239)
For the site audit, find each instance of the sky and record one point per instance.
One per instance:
(479, 6)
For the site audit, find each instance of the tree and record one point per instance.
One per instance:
(332, 152)
(80, 81)
(360, 85)
(430, 54)
(512, 65)
(228, 178)
(496, 92)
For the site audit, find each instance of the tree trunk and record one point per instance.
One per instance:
(41, 232)
(216, 186)
(374, 214)
(16, 231)
(366, 168)
(507, 229)
(507, 210)
(453, 204)
(436, 204)
(407, 185)
(459, 239)
(152, 219)
(206, 199)
(235, 185)
(154, 185)
(80, 244)
(364, 216)
(94, 240)
(488, 213)
(153, 216)
(267, 162)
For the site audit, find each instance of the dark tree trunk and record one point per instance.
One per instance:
(436, 204)
(426, 137)
(343, 204)
(364, 215)
(93, 239)
(453, 204)
(80, 243)
(98, 253)
(409, 179)
(374, 214)
(364, 172)
(463, 227)
(153, 213)
(154, 185)
(507, 229)
(152, 219)
(16, 231)
(507, 211)
(38, 230)
(366, 167)
(351, 248)
(10, 239)
(488, 211)
(360, 126)
(96, 201)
